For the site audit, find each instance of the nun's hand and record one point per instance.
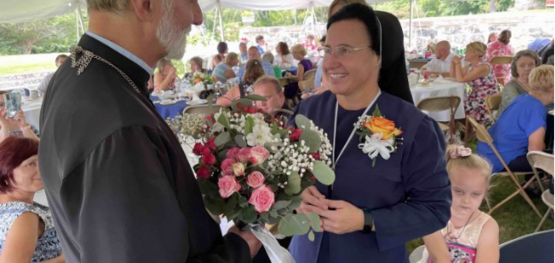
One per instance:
(345, 218)
(312, 201)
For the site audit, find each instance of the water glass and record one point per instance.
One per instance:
(13, 103)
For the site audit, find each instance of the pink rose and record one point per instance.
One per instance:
(228, 185)
(203, 172)
(255, 179)
(244, 155)
(238, 169)
(232, 153)
(208, 159)
(262, 198)
(226, 166)
(259, 154)
(210, 144)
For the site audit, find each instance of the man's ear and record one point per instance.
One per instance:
(143, 9)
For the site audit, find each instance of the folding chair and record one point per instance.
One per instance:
(501, 60)
(309, 75)
(202, 109)
(442, 103)
(483, 136)
(543, 161)
(536, 247)
(492, 104)
(306, 85)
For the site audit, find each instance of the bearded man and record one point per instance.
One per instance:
(117, 181)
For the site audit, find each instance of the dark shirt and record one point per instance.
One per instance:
(118, 182)
(408, 195)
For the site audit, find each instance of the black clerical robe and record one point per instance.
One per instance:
(116, 178)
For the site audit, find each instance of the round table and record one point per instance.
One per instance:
(31, 109)
(441, 88)
(169, 110)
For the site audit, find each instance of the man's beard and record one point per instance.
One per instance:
(171, 38)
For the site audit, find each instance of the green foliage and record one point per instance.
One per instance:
(434, 8)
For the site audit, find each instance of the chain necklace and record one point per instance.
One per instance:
(85, 60)
(462, 231)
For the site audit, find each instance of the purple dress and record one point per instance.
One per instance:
(292, 89)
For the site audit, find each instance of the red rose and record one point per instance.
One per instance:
(203, 172)
(211, 118)
(210, 144)
(294, 137)
(208, 159)
(198, 149)
(316, 156)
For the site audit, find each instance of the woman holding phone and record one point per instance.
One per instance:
(14, 126)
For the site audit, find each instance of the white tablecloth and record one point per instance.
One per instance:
(441, 88)
(31, 109)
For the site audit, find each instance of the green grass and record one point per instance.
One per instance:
(515, 218)
(26, 63)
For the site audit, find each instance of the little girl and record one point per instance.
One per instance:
(471, 235)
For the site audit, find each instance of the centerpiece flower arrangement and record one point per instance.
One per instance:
(252, 169)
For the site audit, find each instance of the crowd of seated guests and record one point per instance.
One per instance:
(16, 126)
(479, 75)
(441, 63)
(253, 71)
(224, 71)
(166, 76)
(523, 63)
(27, 232)
(253, 53)
(195, 66)
(522, 125)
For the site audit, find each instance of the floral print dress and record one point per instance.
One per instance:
(482, 87)
(499, 49)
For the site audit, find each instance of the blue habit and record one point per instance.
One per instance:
(409, 195)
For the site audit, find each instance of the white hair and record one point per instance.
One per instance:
(173, 39)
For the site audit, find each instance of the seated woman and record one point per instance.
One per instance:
(16, 126)
(299, 53)
(253, 71)
(165, 78)
(220, 57)
(269, 57)
(27, 231)
(284, 58)
(471, 235)
(523, 62)
(195, 66)
(479, 76)
(521, 127)
(224, 71)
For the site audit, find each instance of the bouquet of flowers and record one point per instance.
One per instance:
(189, 125)
(253, 169)
(201, 78)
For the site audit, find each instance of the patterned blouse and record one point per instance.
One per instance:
(48, 245)
(499, 49)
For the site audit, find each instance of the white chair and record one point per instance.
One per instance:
(416, 254)
(202, 109)
(543, 161)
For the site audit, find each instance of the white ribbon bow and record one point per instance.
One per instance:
(374, 145)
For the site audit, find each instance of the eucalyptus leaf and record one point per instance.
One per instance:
(230, 204)
(302, 122)
(294, 224)
(222, 119)
(248, 215)
(255, 97)
(210, 100)
(295, 202)
(273, 213)
(240, 140)
(323, 173)
(311, 139)
(293, 186)
(222, 139)
(314, 221)
(249, 125)
(311, 236)
(281, 204)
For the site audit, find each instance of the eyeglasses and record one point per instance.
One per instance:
(341, 51)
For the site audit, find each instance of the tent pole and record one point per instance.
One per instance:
(410, 23)
(80, 16)
(76, 26)
(221, 22)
